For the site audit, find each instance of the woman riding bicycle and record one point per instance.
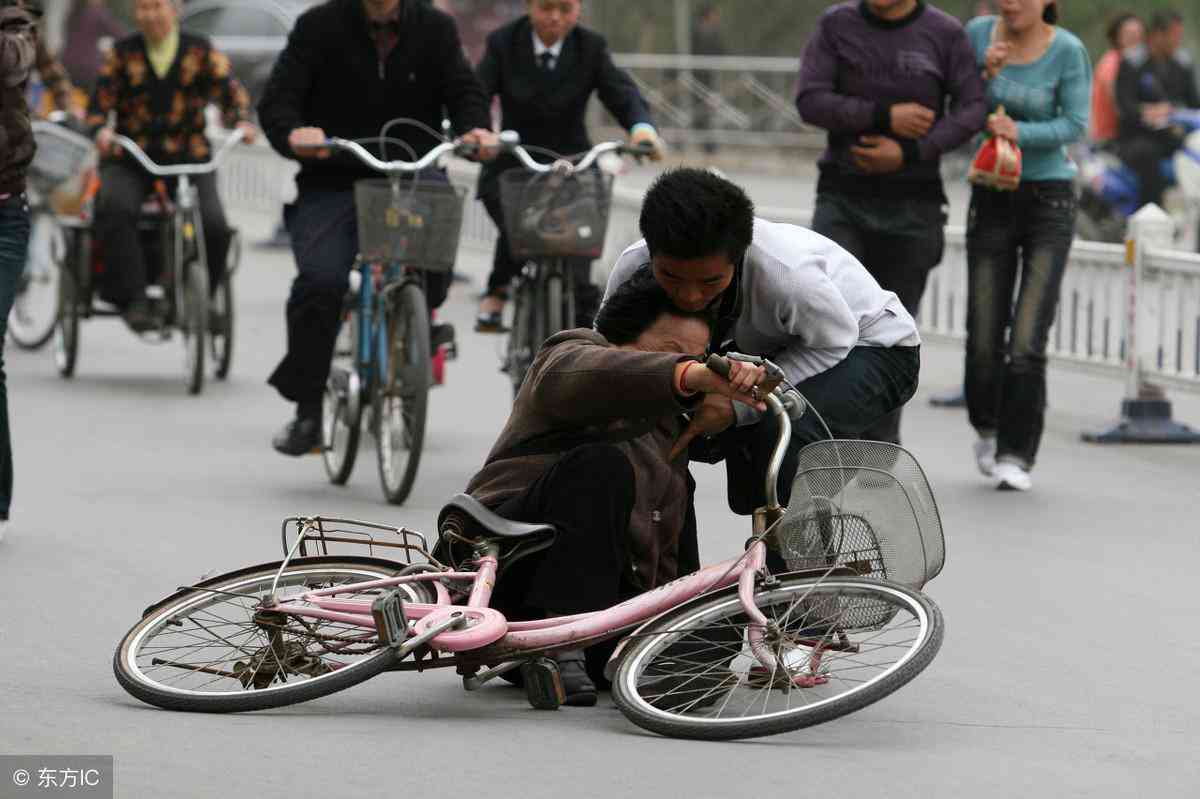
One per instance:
(544, 68)
(587, 448)
(158, 82)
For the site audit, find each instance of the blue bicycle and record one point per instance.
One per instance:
(408, 226)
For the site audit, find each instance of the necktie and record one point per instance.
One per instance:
(547, 61)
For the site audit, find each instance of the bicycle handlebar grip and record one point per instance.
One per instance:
(719, 364)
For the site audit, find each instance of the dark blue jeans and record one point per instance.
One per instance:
(898, 241)
(14, 245)
(1015, 241)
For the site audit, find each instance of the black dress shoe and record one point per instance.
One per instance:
(299, 437)
(578, 688)
(141, 316)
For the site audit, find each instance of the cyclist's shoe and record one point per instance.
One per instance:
(1012, 477)
(801, 666)
(300, 436)
(142, 316)
(441, 334)
(490, 322)
(578, 688)
(985, 455)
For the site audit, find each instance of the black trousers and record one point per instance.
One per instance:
(123, 189)
(588, 495)
(852, 397)
(505, 268)
(1145, 155)
(324, 235)
(899, 242)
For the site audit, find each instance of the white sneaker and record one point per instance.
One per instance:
(985, 455)
(1012, 477)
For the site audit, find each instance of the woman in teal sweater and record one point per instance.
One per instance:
(1041, 75)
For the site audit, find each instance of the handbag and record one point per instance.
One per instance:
(997, 164)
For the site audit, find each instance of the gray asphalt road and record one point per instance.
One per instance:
(1068, 669)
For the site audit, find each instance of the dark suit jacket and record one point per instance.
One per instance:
(329, 76)
(547, 108)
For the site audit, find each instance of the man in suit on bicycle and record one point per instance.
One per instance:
(544, 68)
(158, 82)
(349, 67)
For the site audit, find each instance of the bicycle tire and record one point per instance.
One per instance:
(520, 338)
(342, 402)
(66, 329)
(193, 323)
(221, 332)
(401, 394)
(133, 678)
(554, 307)
(35, 334)
(655, 639)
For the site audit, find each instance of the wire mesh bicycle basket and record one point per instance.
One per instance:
(865, 505)
(61, 156)
(417, 223)
(555, 215)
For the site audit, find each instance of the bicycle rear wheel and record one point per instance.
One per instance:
(837, 644)
(400, 401)
(35, 308)
(208, 649)
(342, 405)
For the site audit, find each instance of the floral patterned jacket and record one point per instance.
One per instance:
(166, 116)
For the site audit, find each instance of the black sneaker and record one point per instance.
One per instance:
(141, 316)
(441, 334)
(299, 437)
(578, 687)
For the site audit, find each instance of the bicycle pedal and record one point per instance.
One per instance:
(543, 684)
(390, 621)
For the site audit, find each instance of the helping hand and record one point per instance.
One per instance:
(995, 59)
(714, 415)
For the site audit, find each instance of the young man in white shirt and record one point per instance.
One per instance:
(783, 292)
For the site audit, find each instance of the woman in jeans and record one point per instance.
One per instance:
(1041, 75)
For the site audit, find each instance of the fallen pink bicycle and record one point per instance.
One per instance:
(731, 651)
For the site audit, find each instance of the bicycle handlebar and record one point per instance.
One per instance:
(175, 170)
(401, 167)
(510, 142)
(779, 399)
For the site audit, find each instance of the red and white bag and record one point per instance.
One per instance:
(997, 165)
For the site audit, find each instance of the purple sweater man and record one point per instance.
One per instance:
(895, 84)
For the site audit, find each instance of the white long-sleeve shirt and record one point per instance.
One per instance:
(806, 302)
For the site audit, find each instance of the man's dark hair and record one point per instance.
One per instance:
(694, 213)
(1113, 32)
(1050, 13)
(1164, 20)
(635, 306)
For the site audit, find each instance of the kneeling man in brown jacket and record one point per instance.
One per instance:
(589, 448)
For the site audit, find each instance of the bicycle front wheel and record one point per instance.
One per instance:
(401, 398)
(835, 645)
(521, 347)
(193, 323)
(210, 648)
(36, 305)
(66, 330)
(342, 405)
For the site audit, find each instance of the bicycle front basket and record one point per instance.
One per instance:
(61, 156)
(555, 215)
(414, 223)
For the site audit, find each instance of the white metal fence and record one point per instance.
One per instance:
(1089, 332)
